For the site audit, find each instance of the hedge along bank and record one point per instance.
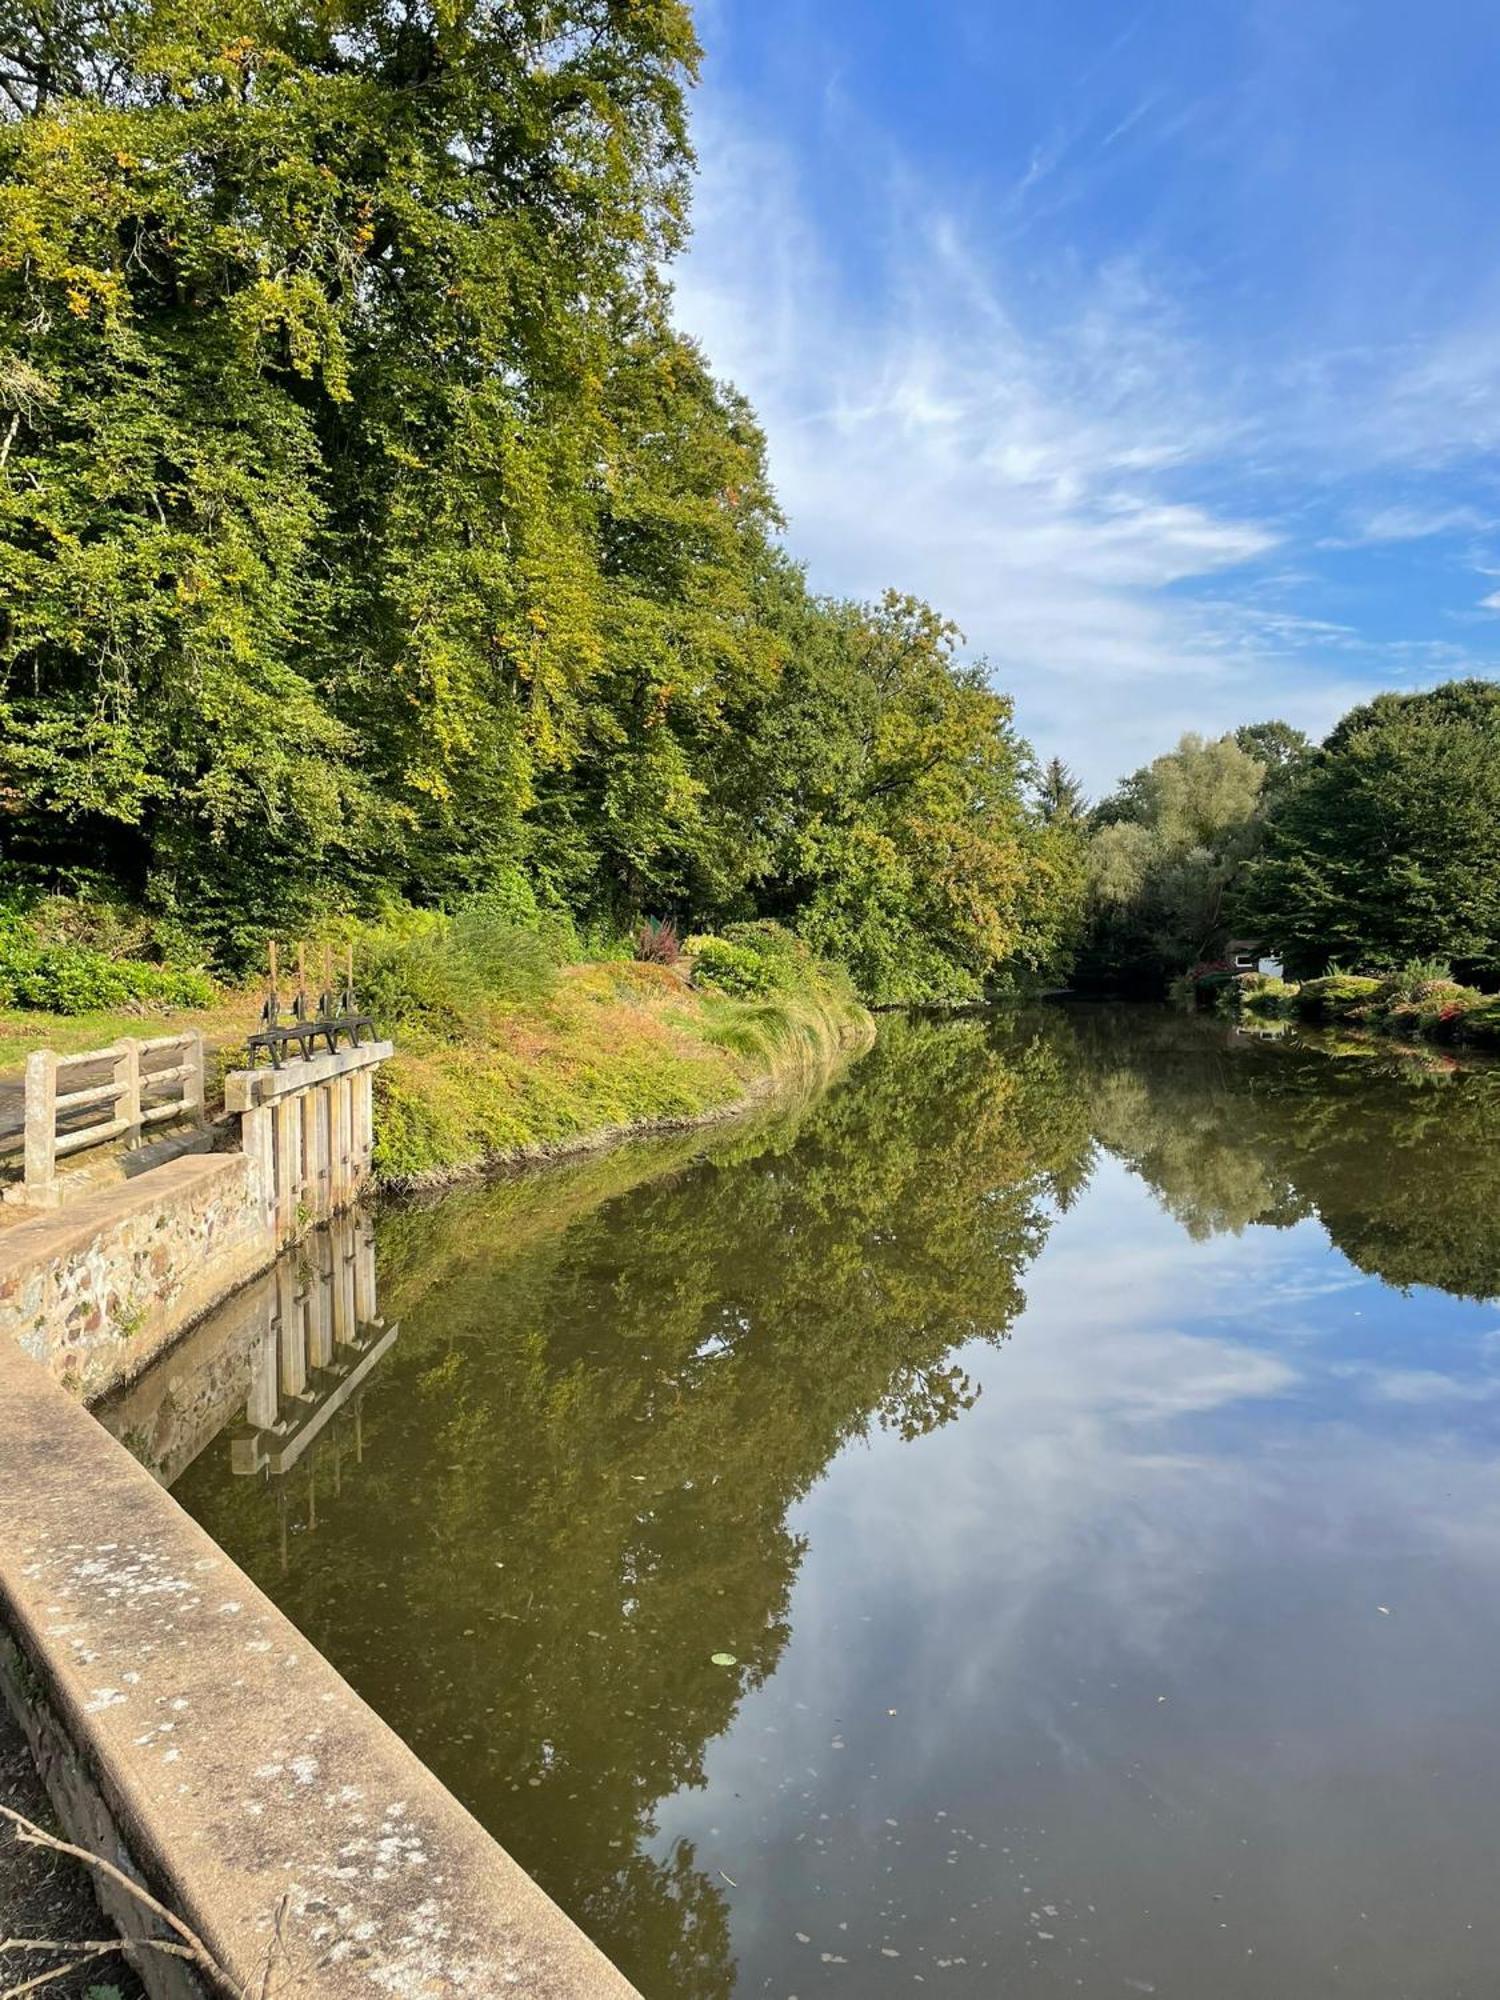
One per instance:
(1421, 1001)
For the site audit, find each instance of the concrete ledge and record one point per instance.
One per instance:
(245, 1089)
(97, 1290)
(183, 1718)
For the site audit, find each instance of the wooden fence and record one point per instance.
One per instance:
(135, 1095)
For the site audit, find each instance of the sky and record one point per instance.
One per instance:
(1156, 344)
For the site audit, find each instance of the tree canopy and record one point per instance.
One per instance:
(1387, 848)
(368, 532)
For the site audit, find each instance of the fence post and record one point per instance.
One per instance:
(41, 1124)
(194, 1093)
(128, 1088)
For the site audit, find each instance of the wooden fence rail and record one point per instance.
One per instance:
(132, 1097)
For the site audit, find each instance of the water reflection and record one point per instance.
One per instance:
(1060, 1658)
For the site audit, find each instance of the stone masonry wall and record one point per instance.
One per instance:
(96, 1291)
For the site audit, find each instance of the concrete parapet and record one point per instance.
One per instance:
(188, 1732)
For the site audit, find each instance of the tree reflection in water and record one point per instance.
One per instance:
(614, 1383)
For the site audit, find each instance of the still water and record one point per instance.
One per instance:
(1076, 1436)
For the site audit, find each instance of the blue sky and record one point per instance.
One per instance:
(1157, 344)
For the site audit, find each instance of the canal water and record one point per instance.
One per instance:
(1025, 1523)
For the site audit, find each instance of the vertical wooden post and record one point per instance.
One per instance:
(288, 1161)
(128, 1087)
(338, 1098)
(194, 1090)
(258, 1143)
(312, 1155)
(41, 1125)
(364, 1273)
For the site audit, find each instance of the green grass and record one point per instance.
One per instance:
(503, 1056)
(614, 1048)
(25, 1029)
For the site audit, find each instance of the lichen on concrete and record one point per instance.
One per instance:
(253, 1790)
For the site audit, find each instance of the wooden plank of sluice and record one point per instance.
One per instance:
(313, 1194)
(288, 1167)
(364, 1122)
(257, 1143)
(262, 1402)
(292, 1337)
(338, 1092)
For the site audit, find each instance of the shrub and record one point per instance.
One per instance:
(1480, 1024)
(1265, 996)
(72, 979)
(658, 943)
(451, 972)
(726, 967)
(1340, 996)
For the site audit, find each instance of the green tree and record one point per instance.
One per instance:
(1387, 849)
(1283, 750)
(1167, 849)
(1059, 794)
(312, 331)
(882, 792)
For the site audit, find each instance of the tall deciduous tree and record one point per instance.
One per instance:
(1387, 850)
(1167, 849)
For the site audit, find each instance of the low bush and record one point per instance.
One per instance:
(451, 972)
(61, 956)
(751, 961)
(1339, 996)
(1480, 1024)
(1428, 1006)
(721, 966)
(1269, 998)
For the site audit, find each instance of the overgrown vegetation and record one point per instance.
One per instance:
(1422, 999)
(1378, 850)
(555, 1055)
(369, 538)
(375, 552)
(72, 957)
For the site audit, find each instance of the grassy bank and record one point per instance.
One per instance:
(1421, 1002)
(508, 1048)
(613, 1048)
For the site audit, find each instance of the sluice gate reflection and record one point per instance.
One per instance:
(316, 1352)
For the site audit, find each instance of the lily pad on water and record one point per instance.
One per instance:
(724, 1660)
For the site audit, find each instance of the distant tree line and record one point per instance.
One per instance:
(369, 536)
(1376, 850)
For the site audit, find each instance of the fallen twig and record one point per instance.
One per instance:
(191, 1947)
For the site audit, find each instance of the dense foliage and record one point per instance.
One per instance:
(1166, 852)
(1378, 851)
(369, 536)
(1387, 847)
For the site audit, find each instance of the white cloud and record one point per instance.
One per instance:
(1041, 456)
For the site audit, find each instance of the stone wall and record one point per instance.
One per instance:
(97, 1290)
(188, 1731)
